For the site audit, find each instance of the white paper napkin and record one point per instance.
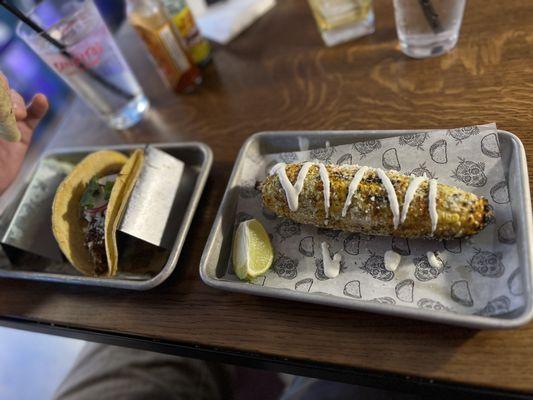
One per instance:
(222, 22)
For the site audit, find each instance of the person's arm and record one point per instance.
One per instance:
(27, 117)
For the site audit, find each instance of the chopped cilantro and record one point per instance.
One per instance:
(107, 190)
(91, 192)
(96, 194)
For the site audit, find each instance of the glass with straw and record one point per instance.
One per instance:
(72, 39)
(428, 28)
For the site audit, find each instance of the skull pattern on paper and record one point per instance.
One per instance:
(479, 275)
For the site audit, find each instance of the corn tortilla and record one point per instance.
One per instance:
(8, 125)
(67, 223)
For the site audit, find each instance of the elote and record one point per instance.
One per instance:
(373, 201)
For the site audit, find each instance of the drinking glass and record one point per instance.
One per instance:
(343, 20)
(428, 28)
(86, 57)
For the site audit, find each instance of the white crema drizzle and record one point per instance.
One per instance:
(433, 215)
(435, 261)
(391, 260)
(292, 192)
(391, 194)
(325, 181)
(332, 266)
(410, 195)
(354, 184)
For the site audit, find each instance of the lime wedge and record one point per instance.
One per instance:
(252, 251)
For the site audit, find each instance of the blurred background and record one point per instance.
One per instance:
(27, 73)
(32, 365)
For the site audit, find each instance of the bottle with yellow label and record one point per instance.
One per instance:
(182, 17)
(162, 39)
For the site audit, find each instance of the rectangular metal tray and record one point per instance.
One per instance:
(197, 158)
(217, 250)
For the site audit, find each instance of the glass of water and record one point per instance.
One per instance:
(428, 28)
(77, 45)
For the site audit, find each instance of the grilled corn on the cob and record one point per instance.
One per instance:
(377, 204)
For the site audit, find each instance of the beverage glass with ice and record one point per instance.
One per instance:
(343, 20)
(428, 28)
(87, 58)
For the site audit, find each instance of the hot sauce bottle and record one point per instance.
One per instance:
(182, 17)
(151, 21)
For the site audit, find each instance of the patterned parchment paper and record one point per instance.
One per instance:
(481, 274)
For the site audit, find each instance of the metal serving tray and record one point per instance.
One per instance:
(197, 158)
(216, 254)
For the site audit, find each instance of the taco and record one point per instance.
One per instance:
(88, 206)
(8, 125)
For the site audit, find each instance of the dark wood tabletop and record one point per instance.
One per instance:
(278, 75)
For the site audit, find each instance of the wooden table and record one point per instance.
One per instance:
(279, 76)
